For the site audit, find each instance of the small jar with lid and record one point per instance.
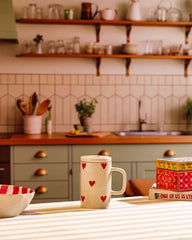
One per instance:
(51, 47)
(108, 49)
(89, 48)
(32, 10)
(76, 45)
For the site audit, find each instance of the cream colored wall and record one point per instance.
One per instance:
(109, 35)
(158, 83)
(163, 98)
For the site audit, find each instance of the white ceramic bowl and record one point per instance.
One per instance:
(129, 48)
(14, 199)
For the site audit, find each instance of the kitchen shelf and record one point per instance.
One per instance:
(127, 57)
(128, 25)
(98, 23)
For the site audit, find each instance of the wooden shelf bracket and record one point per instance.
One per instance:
(98, 65)
(98, 29)
(128, 62)
(187, 31)
(129, 27)
(187, 61)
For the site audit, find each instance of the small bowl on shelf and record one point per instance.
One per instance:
(175, 49)
(129, 48)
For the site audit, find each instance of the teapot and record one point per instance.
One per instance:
(108, 14)
(134, 12)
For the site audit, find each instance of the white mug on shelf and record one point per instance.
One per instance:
(96, 171)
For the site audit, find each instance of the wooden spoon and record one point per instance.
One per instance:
(22, 107)
(42, 108)
(19, 106)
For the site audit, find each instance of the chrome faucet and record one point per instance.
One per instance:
(141, 120)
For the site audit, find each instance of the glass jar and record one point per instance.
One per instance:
(32, 11)
(60, 47)
(89, 48)
(39, 13)
(51, 47)
(69, 14)
(76, 45)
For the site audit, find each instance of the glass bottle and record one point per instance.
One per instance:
(32, 11)
(76, 45)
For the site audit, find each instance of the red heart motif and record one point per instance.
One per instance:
(91, 183)
(103, 198)
(103, 165)
(82, 198)
(83, 165)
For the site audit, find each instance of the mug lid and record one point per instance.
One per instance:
(95, 158)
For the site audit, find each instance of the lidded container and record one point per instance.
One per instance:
(167, 13)
(174, 174)
(76, 45)
(32, 10)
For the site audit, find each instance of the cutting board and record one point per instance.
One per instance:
(94, 134)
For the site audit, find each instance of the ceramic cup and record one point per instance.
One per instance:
(32, 124)
(96, 171)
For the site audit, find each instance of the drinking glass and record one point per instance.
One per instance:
(60, 47)
(32, 12)
(51, 47)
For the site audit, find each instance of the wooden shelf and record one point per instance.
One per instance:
(98, 23)
(128, 25)
(127, 57)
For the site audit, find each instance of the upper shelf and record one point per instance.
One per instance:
(104, 22)
(98, 23)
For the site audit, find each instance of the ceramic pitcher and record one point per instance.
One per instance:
(134, 12)
(96, 175)
(86, 10)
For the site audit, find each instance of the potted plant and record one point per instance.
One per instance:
(38, 39)
(85, 111)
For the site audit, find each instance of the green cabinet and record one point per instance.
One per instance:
(42, 166)
(62, 163)
(138, 160)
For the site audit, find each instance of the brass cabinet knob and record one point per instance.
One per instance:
(41, 154)
(104, 153)
(41, 189)
(41, 172)
(169, 153)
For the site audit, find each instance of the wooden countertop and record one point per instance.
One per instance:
(61, 139)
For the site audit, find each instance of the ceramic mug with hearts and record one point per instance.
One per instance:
(96, 174)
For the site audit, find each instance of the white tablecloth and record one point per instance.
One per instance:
(127, 218)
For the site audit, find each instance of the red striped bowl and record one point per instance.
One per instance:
(14, 199)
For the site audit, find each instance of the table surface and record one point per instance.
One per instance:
(126, 218)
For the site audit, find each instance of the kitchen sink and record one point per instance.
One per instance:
(147, 133)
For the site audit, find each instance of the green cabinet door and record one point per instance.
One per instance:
(27, 165)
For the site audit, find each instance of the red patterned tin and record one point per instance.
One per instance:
(174, 180)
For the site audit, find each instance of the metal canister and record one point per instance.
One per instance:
(69, 14)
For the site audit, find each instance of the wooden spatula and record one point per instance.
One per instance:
(42, 108)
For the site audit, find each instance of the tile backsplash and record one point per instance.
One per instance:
(162, 100)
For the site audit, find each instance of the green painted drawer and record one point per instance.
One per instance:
(26, 172)
(26, 154)
(56, 189)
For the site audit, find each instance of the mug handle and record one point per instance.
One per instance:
(113, 169)
(96, 10)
